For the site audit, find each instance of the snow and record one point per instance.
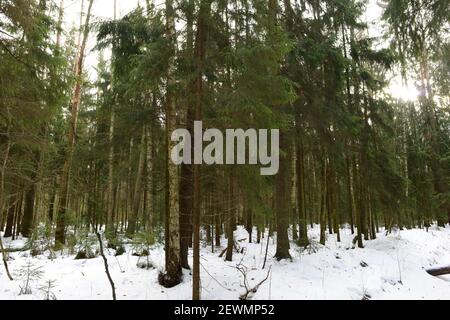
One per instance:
(390, 267)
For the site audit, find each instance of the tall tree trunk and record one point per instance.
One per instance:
(110, 195)
(249, 222)
(134, 214)
(351, 197)
(172, 276)
(323, 201)
(26, 224)
(17, 216)
(333, 203)
(281, 203)
(231, 219)
(328, 195)
(359, 215)
(281, 189)
(185, 213)
(149, 182)
(200, 56)
(301, 198)
(186, 182)
(373, 233)
(4, 164)
(60, 235)
(293, 200)
(218, 216)
(12, 208)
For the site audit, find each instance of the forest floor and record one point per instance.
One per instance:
(390, 267)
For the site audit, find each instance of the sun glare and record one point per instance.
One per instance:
(408, 93)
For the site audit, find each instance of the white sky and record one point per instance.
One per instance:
(104, 9)
(101, 10)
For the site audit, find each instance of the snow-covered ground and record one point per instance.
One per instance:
(390, 267)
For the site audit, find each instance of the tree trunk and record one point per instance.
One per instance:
(218, 218)
(200, 56)
(303, 228)
(359, 215)
(281, 203)
(187, 182)
(52, 201)
(249, 223)
(333, 203)
(149, 182)
(60, 235)
(4, 164)
(323, 201)
(133, 218)
(26, 224)
(351, 197)
(110, 193)
(10, 218)
(231, 220)
(172, 277)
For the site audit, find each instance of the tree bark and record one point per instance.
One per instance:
(149, 182)
(172, 277)
(301, 198)
(110, 195)
(200, 56)
(187, 182)
(134, 214)
(323, 201)
(60, 236)
(4, 165)
(10, 218)
(281, 203)
(231, 219)
(26, 224)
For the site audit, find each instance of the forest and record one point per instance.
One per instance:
(87, 112)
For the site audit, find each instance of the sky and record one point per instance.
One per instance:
(101, 10)
(104, 9)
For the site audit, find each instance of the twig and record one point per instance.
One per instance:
(255, 288)
(270, 286)
(106, 266)
(215, 279)
(267, 249)
(4, 46)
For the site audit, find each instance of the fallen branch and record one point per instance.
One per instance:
(5, 261)
(243, 270)
(438, 271)
(223, 253)
(13, 250)
(106, 266)
(237, 247)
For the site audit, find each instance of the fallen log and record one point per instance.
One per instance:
(237, 247)
(13, 250)
(223, 253)
(438, 270)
